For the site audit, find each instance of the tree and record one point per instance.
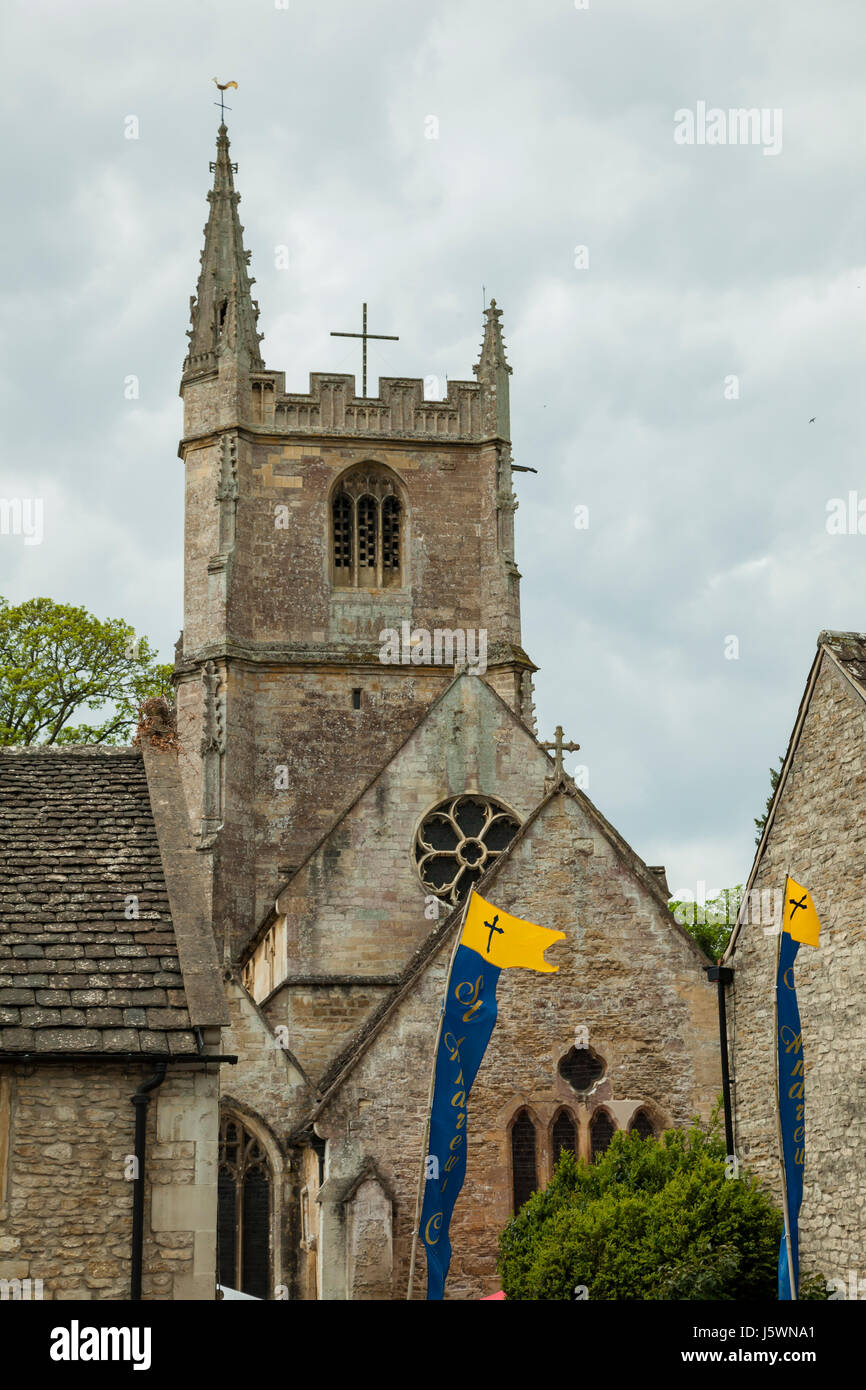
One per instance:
(710, 924)
(761, 821)
(57, 660)
(651, 1219)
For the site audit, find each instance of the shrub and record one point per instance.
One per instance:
(651, 1219)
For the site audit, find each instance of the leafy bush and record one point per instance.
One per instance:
(651, 1219)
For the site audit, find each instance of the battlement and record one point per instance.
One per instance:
(332, 406)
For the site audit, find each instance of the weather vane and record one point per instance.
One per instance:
(223, 86)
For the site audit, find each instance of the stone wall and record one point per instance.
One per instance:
(341, 920)
(819, 837)
(66, 1207)
(627, 973)
(291, 648)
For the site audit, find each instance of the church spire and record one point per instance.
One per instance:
(493, 372)
(223, 314)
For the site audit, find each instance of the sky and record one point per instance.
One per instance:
(676, 312)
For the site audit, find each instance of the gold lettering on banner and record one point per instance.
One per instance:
(472, 999)
(433, 1224)
(468, 994)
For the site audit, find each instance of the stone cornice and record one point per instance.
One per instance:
(362, 654)
(320, 439)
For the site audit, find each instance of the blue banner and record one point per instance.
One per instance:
(468, 1020)
(792, 1107)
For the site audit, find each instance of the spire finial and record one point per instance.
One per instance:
(223, 313)
(492, 348)
(493, 371)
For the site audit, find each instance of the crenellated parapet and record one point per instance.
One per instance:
(332, 406)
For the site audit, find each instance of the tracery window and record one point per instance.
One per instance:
(243, 1211)
(642, 1124)
(601, 1131)
(366, 530)
(581, 1068)
(564, 1135)
(459, 840)
(524, 1168)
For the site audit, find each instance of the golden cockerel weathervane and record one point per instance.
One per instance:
(223, 87)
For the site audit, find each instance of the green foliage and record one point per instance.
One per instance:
(710, 924)
(652, 1219)
(761, 821)
(813, 1288)
(56, 661)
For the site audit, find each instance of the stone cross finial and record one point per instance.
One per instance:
(560, 748)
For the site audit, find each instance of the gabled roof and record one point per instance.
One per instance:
(847, 652)
(413, 733)
(89, 954)
(342, 1065)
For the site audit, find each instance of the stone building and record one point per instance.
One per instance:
(815, 832)
(357, 749)
(355, 707)
(110, 989)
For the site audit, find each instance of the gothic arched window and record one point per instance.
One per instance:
(601, 1131)
(642, 1124)
(458, 841)
(524, 1168)
(342, 534)
(366, 530)
(564, 1135)
(243, 1211)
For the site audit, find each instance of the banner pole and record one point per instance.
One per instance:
(419, 1198)
(788, 1247)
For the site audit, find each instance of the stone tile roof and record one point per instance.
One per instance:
(849, 649)
(78, 845)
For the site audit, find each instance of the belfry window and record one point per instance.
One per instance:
(342, 518)
(524, 1167)
(366, 531)
(243, 1211)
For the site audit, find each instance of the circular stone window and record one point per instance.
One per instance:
(459, 840)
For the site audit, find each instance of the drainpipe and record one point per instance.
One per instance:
(722, 975)
(141, 1100)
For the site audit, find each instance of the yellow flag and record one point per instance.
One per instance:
(799, 918)
(507, 941)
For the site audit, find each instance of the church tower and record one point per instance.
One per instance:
(328, 538)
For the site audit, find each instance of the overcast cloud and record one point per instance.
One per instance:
(556, 130)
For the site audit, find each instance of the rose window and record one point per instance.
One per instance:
(458, 841)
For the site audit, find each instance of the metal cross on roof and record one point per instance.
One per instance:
(560, 748)
(364, 335)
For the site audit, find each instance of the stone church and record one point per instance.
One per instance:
(353, 747)
(815, 831)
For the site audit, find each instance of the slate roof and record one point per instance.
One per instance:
(77, 843)
(849, 649)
